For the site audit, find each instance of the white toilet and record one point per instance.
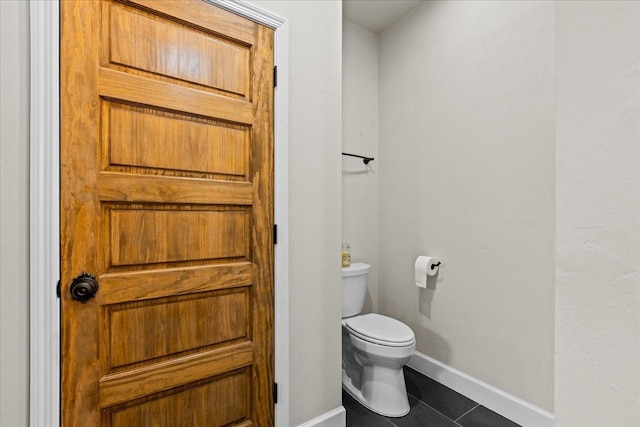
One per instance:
(374, 349)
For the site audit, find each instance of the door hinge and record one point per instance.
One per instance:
(275, 76)
(275, 393)
(275, 234)
(58, 289)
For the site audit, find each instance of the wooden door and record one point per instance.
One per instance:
(167, 199)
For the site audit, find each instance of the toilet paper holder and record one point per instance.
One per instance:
(433, 266)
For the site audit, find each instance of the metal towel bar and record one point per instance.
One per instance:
(365, 160)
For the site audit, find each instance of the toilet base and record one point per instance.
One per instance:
(383, 390)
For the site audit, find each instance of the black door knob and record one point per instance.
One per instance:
(84, 287)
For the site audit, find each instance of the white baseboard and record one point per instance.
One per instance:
(335, 418)
(487, 395)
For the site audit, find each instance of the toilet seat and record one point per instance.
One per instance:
(381, 330)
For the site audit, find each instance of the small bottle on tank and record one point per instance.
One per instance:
(346, 255)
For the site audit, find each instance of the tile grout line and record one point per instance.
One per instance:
(440, 413)
(389, 421)
(456, 420)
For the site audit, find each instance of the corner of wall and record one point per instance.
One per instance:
(14, 205)
(598, 213)
(360, 223)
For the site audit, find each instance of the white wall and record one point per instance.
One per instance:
(360, 136)
(315, 204)
(14, 213)
(598, 214)
(467, 175)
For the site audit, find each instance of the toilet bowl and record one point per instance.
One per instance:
(374, 350)
(376, 379)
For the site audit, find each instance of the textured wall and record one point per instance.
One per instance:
(360, 136)
(598, 213)
(467, 175)
(14, 213)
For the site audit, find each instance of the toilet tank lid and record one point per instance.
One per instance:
(355, 269)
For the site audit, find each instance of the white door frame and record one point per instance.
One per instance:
(44, 239)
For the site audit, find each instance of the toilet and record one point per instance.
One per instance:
(374, 349)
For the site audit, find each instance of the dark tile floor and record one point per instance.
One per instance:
(432, 405)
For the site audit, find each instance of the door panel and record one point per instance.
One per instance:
(185, 54)
(197, 405)
(143, 331)
(197, 147)
(167, 198)
(140, 235)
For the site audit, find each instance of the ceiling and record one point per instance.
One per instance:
(376, 15)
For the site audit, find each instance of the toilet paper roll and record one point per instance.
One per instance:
(425, 266)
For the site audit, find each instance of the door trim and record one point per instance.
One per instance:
(44, 196)
(44, 203)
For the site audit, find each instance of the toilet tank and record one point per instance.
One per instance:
(354, 288)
